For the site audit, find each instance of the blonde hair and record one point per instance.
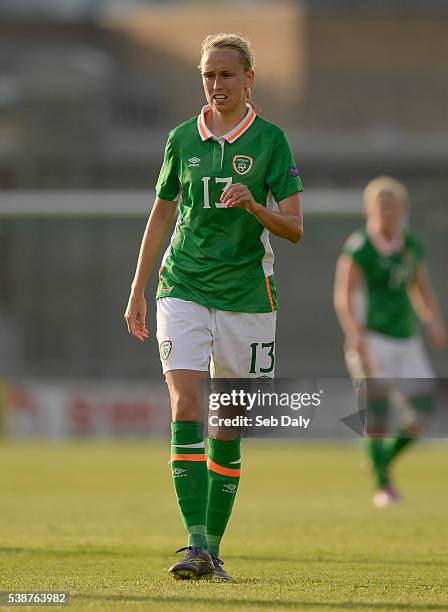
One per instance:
(238, 43)
(385, 183)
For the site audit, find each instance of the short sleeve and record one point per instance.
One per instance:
(168, 185)
(354, 247)
(283, 178)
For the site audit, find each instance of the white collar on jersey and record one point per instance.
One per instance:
(235, 133)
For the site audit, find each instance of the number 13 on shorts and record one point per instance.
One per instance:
(258, 352)
(244, 345)
(232, 344)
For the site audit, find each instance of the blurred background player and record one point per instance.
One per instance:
(387, 259)
(216, 300)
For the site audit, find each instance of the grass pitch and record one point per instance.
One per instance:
(100, 520)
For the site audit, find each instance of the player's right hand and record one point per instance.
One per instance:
(355, 344)
(135, 316)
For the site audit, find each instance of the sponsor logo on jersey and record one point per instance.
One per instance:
(165, 349)
(194, 162)
(242, 163)
(294, 171)
(229, 488)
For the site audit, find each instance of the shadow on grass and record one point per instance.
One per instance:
(257, 603)
(92, 551)
(354, 560)
(88, 551)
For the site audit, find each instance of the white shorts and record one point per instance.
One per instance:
(402, 364)
(398, 357)
(229, 344)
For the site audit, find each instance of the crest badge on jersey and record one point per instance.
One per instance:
(165, 349)
(242, 163)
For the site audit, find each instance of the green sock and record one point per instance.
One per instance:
(374, 448)
(189, 471)
(394, 446)
(377, 409)
(223, 477)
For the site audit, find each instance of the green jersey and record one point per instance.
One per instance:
(221, 257)
(389, 310)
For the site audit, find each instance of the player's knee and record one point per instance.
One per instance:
(418, 414)
(185, 409)
(376, 432)
(415, 428)
(416, 422)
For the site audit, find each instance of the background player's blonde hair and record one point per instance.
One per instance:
(385, 183)
(238, 43)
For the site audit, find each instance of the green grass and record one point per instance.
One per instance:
(100, 520)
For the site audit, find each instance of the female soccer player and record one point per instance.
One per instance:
(388, 259)
(216, 299)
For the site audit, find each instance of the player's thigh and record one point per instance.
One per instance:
(383, 353)
(187, 390)
(414, 361)
(184, 334)
(243, 345)
(416, 374)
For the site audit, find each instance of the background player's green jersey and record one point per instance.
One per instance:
(389, 310)
(221, 257)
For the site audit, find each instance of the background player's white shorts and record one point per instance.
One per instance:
(398, 357)
(230, 344)
(400, 363)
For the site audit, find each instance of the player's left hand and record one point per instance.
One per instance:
(238, 195)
